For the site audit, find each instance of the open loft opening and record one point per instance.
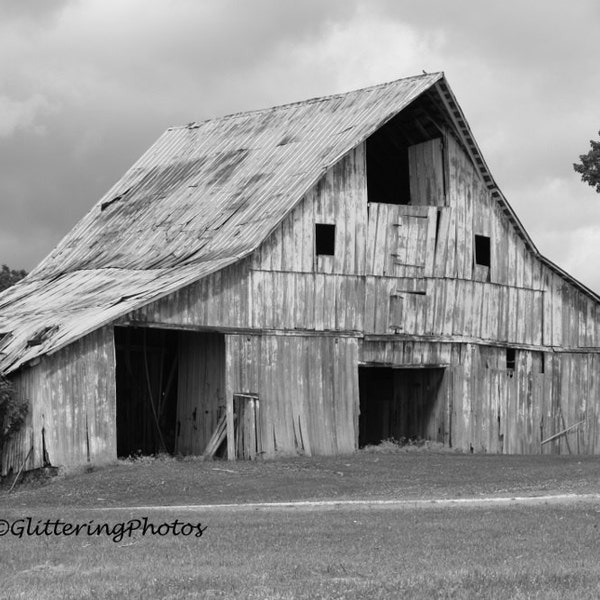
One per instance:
(398, 151)
(401, 404)
(170, 390)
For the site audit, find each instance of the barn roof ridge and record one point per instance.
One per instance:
(315, 100)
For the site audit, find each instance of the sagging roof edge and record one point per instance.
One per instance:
(166, 291)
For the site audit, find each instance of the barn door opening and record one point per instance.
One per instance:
(400, 404)
(146, 382)
(170, 390)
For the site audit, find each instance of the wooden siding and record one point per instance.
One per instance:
(72, 399)
(570, 317)
(489, 407)
(310, 301)
(400, 240)
(454, 308)
(404, 277)
(201, 389)
(427, 173)
(340, 198)
(513, 411)
(421, 277)
(307, 387)
(405, 271)
(237, 298)
(409, 353)
(218, 300)
(396, 269)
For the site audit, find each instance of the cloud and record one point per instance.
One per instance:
(580, 254)
(23, 114)
(36, 11)
(366, 50)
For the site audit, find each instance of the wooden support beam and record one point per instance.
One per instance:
(217, 437)
(352, 333)
(557, 435)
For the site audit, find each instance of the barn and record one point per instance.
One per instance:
(304, 279)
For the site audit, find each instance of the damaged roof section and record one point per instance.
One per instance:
(41, 336)
(48, 316)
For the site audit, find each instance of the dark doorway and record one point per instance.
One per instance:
(170, 389)
(388, 178)
(146, 378)
(400, 404)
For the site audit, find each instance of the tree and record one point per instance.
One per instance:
(589, 167)
(9, 277)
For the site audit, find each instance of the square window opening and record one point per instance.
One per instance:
(482, 250)
(324, 239)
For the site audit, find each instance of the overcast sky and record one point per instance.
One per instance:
(87, 85)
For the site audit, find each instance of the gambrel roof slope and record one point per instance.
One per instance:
(202, 197)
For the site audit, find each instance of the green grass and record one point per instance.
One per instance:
(547, 551)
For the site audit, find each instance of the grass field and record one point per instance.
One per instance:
(546, 551)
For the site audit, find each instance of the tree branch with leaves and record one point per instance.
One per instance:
(589, 167)
(8, 277)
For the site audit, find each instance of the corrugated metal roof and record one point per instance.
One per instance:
(202, 197)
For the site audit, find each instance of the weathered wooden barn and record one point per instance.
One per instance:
(325, 274)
